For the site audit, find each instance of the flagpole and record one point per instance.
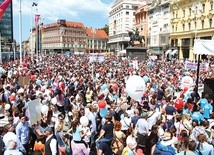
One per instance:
(20, 30)
(31, 36)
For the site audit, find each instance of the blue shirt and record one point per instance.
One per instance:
(207, 149)
(186, 111)
(187, 96)
(197, 116)
(76, 135)
(22, 131)
(207, 109)
(203, 102)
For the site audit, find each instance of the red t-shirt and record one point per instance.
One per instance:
(179, 104)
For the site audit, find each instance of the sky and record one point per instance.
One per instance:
(92, 13)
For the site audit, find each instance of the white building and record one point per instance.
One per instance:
(121, 20)
(158, 26)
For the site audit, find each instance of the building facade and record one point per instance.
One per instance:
(6, 29)
(68, 36)
(59, 37)
(122, 20)
(141, 20)
(158, 23)
(96, 40)
(190, 20)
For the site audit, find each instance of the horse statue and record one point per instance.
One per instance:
(135, 37)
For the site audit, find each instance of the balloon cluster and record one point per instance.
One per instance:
(103, 109)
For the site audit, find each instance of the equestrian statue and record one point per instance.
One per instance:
(134, 36)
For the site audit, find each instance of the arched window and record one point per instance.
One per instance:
(210, 22)
(202, 24)
(189, 26)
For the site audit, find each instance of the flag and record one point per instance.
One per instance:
(37, 16)
(3, 7)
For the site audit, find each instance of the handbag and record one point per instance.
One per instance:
(119, 148)
(66, 147)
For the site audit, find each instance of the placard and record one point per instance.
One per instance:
(34, 108)
(24, 81)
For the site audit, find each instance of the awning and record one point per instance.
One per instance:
(204, 47)
(174, 51)
(168, 51)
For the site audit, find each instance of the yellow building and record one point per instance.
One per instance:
(190, 19)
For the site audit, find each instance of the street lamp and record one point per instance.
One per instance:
(33, 4)
(20, 30)
(196, 8)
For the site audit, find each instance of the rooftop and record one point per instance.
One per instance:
(97, 33)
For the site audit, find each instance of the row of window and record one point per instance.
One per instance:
(120, 8)
(190, 11)
(175, 29)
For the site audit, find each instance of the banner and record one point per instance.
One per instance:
(34, 108)
(193, 66)
(96, 57)
(3, 7)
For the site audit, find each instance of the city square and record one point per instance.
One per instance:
(141, 82)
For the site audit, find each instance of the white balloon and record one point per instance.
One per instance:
(135, 87)
(186, 81)
(84, 121)
(7, 106)
(53, 101)
(44, 109)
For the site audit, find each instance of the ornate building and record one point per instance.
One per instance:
(122, 20)
(68, 36)
(159, 17)
(141, 20)
(96, 40)
(64, 36)
(190, 20)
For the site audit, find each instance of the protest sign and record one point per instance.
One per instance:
(34, 108)
(24, 81)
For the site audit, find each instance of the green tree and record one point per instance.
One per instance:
(106, 29)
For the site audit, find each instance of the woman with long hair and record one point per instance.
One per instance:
(79, 147)
(118, 143)
(152, 140)
(59, 137)
(203, 146)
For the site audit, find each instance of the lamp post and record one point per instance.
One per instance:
(196, 8)
(20, 30)
(33, 4)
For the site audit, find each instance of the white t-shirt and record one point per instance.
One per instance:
(15, 152)
(126, 122)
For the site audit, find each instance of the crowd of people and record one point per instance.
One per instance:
(91, 112)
